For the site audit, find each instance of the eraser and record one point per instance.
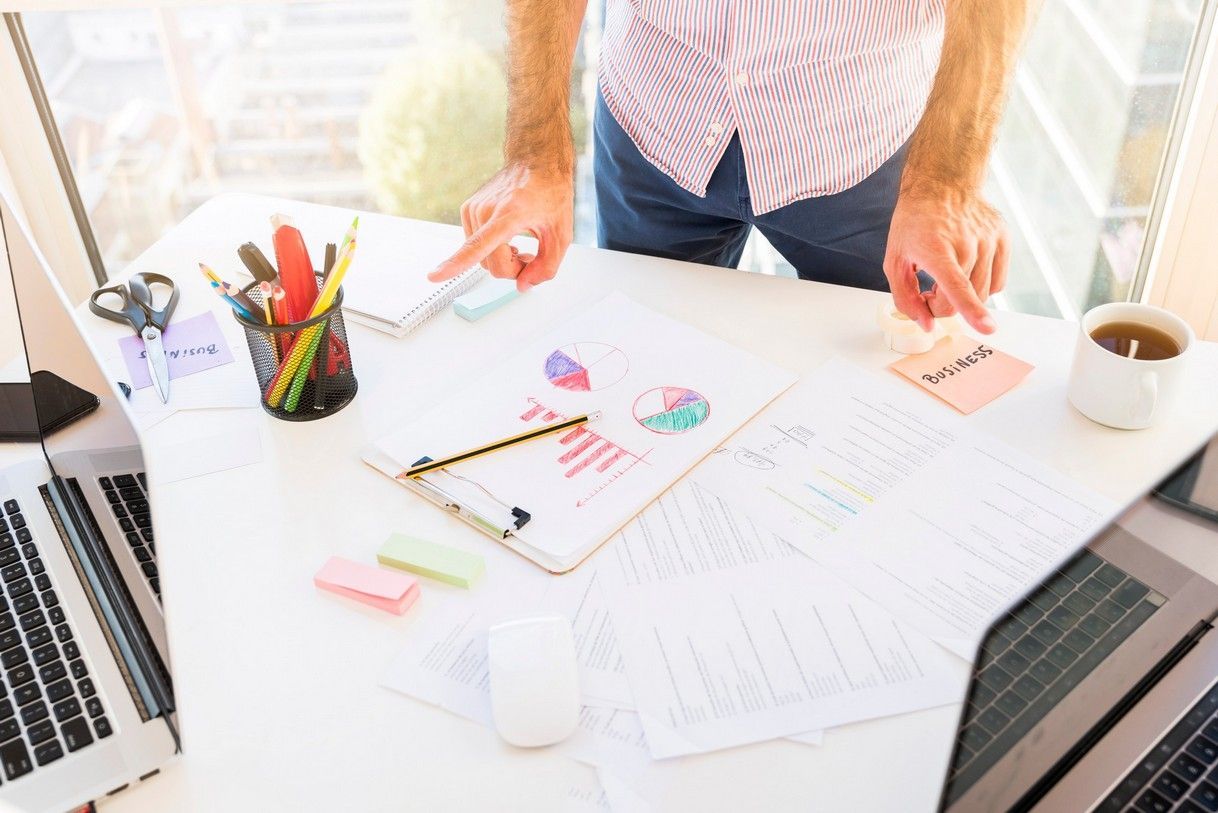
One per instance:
(428, 559)
(492, 294)
(386, 590)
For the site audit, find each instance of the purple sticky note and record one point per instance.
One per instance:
(191, 346)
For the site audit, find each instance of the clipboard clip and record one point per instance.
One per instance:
(469, 500)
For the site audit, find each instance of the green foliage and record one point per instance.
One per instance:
(432, 132)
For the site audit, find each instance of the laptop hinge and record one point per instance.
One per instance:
(137, 659)
(1114, 716)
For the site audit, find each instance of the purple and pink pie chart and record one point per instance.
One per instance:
(586, 366)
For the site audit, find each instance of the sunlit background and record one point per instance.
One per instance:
(397, 106)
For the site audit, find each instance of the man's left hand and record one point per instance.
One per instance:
(960, 241)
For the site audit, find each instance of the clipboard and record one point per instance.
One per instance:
(460, 496)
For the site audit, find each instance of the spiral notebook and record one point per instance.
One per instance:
(400, 306)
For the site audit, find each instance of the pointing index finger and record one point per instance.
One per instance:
(476, 248)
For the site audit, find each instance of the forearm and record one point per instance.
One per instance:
(951, 145)
(542, 35)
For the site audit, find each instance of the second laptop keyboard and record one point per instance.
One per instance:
(1040, 652)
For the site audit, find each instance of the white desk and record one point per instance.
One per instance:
(277, 682)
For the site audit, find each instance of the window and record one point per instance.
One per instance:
(398, 107)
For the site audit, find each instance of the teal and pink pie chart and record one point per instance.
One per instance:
(671, 410)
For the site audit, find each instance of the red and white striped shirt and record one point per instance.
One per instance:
(822, 92)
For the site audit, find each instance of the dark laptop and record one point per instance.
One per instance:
(1098, 690)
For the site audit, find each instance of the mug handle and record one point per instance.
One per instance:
(1148, 397)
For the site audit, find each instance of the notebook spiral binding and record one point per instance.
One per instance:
(435, 302)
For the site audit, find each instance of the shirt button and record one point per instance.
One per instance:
(742, 79)
(709, 141)
(716, 127)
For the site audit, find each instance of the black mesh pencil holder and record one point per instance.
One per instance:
(303, 368)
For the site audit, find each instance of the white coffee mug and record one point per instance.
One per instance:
(1122, 392)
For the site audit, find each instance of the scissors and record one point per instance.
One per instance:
(148, 323)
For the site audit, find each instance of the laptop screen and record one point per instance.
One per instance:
(99, 490)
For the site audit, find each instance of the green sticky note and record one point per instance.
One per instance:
(431, 560)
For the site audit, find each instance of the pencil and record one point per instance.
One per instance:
(495, 446)
(239, 296)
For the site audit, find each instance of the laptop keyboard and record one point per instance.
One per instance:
(1181, 772)
(128, 498)
(49, 704)
(1040, 652)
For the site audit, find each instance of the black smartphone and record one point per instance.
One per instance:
(62, 402)
(1194, 486)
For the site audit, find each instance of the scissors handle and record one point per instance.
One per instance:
(131, 313)
(141, 292)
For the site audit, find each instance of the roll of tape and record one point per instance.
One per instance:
(903, 334)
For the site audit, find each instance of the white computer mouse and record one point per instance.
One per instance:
(534, 680)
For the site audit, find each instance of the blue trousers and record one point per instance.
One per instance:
(834, 238)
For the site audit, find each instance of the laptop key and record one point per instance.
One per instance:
(1211, 729)
(1130, 593)
(142, 554)
(105, 483)
(52, 672)
(149, 569)
(79, 669)
(42, 582)
(1094, 589)
(13, 657)
(85, 687)
(14, 571)
(9, 639)
(56, 615)
(1170, 785)
(6, 709)
(1046, 633)
(1093, 625)
(982, 694)
(994, 678)
(93, 706)
(1062, 617)
(36, 566)
(11, 507)
(1044, 671)
(1013, 662)
(9, 555)
(21, 674)
(124, 480)
(133, 539)
(39, 637)
(126, 524)
(76, 733)
(27, 694)
(17, 521)
(7, 622)
(25, 604)
(63, 632)
(1187, 767)
(41, 731)
(71, 651)
(1078, 640)
(143, 520)
(24, 537)
(1204, 749)
(119, 511)
(7, 541)
(112, 497)
(33, 713)
(974, 737)
(45, 654)
(102, 726)
(49, 598)
(9, 729)
(1078, 604)
(1206, 795)
(16, 759)
(67, 708)
(1010, 703)
(1044, 600)
(1110, 574)
(20, 587)
(48, 752)
(132, 493)
(1151, 802)
(143, 480)
(1028, 687)
(59, 690)
(993, 720)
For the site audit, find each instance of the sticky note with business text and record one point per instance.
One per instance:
(963, 372)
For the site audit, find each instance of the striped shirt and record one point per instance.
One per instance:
(822, 92)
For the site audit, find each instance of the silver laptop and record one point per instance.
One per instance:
(1098, 690)
(86, 701)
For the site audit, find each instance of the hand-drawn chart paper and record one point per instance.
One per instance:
(668, 394)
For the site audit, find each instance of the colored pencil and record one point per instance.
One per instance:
(497, 445)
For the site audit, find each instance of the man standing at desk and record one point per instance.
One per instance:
(853, 133)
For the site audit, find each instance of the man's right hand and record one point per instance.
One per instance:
(517, 199)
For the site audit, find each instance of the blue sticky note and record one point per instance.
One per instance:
(487, 297)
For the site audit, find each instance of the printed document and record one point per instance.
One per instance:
(730, 637)
(942, 525)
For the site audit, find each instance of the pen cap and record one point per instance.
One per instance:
(303, 368)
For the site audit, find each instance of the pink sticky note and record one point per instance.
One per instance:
(962, 371)
(191, 346)
(390, 590)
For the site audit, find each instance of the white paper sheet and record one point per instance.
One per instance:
(729, 637)
(240, 446)
(668, 395)
(940, 524)
(602, 675)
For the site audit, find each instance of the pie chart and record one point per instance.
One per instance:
(671, 410)
(586, 366)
